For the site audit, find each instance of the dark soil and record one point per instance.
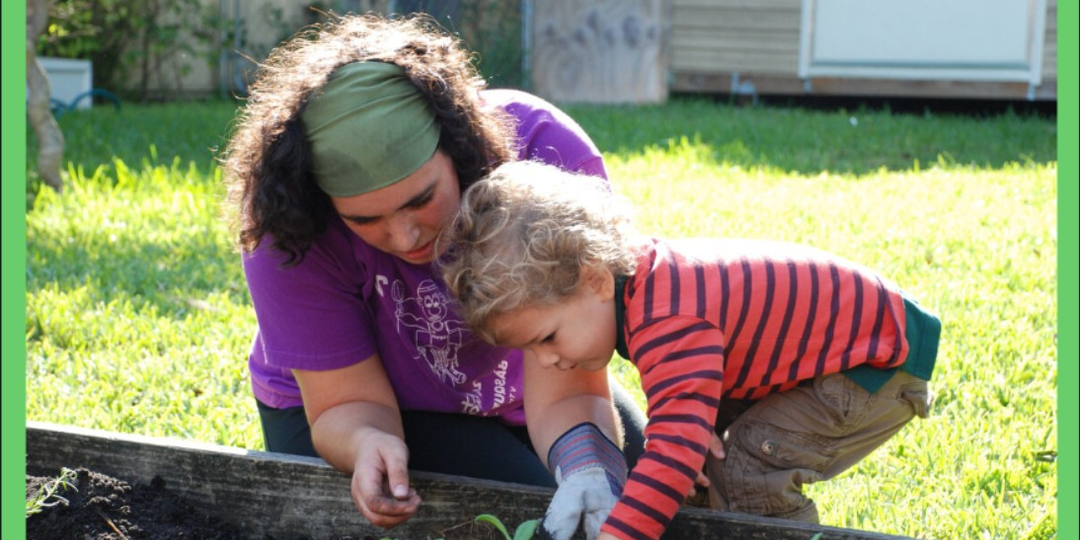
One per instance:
(105, 508)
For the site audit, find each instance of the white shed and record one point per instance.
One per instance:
(992, 49)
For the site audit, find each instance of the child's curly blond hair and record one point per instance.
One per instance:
(523, 235)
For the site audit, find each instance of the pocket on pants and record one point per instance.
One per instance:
(781, 449)
(917, 393)
(766, 468)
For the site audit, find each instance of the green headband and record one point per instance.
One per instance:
(368, 127)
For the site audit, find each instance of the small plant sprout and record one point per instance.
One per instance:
(47, 496)
(525, 531)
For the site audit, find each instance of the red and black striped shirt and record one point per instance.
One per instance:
(711, 319)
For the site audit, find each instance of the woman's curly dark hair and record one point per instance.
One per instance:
(268, 159)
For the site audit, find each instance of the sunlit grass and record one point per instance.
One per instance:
(137, 313)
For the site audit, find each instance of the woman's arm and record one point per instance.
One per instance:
(556, 401)
(574, 428)
(356, 427)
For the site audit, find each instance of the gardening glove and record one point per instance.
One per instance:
(591, 472)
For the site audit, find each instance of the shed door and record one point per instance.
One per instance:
(987, 40)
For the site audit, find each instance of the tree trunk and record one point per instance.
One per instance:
(50, 139)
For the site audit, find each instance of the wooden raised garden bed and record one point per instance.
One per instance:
(270, 495)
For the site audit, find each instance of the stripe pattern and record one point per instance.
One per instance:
(716, 319)
(584, 446)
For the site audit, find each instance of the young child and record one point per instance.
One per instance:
(800, 361)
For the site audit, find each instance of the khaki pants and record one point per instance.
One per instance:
(812, 432)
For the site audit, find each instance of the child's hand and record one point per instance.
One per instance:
(716, 447)
(701, 480)
(585, 496)
(697, 496)
(591, 473)
(699, 492)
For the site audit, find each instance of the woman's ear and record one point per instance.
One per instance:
(600, 279)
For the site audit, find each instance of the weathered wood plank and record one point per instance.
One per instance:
(728, 60)
(292, 497)
(740, 4)
(709, 81)
(782, 41)
(841, 86)
(267, 493)
(735, 19)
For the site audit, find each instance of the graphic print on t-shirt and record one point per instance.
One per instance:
(471, 402)
(437, 334)
(502, 393)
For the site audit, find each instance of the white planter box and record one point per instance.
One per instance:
(69, 79)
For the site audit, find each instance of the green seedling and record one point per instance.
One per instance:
(525, 531)
(47, 496)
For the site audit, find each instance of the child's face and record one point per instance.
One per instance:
(577, 333)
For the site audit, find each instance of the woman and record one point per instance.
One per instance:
(346, 164)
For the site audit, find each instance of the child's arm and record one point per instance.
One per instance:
(681, 360)
(556, 401)
(556, 404)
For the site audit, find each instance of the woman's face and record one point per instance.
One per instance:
(405, 218)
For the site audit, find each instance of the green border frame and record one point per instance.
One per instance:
(13, 355)
(1068, 273)
(13, 309)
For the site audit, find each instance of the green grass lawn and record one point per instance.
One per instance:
(138, 318)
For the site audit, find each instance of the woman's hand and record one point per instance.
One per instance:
(356, 427)
(380, 481)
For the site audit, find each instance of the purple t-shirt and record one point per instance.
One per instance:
(347, 301)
